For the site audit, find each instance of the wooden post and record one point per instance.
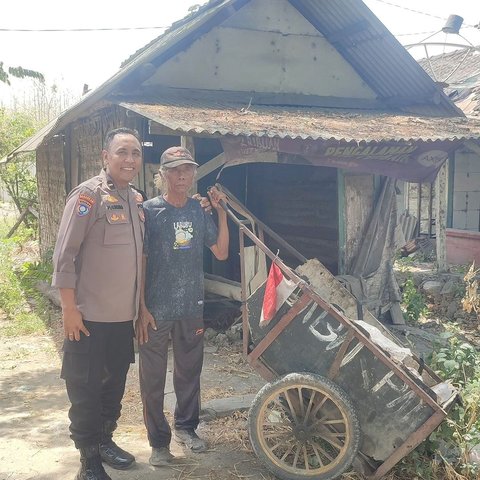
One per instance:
(441, 183)
(188, 143)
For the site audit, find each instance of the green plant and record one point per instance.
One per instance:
(21, 185)
(444, 455)
(459, 363)
(26, 309)
(413, 303)
(403, 264)
(471, 298)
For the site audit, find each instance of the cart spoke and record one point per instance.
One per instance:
(297, 453)
(319, 406)
(315, 449)
(279, 404)
(329, 439)
(328, 421)
(305, 456)
(309, 407)
(279, 444)
(302, 405)
(292, 410)
(288, 452)
(277, 424)
(322, 451)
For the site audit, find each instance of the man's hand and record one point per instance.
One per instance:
(73, 324)
(204, 202)
(216, 196)
(145, 318)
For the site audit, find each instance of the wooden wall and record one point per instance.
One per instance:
(300, 203)
(359, 201)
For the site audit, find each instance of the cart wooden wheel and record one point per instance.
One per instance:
(303, 426)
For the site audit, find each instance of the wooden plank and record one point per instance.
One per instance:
(21, 218)
(261, 98)
(441, 217)
(188, 142)
(223, 287)
(210, 166)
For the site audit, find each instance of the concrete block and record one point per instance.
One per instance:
(473, 220)
(473, 200)
(470, 183)
(459, 219)
(460, 201)
(461, 165)
(474, 164)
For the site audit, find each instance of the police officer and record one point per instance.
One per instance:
(97, 267)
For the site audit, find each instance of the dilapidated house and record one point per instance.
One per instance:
(458, 73)
(306, 110)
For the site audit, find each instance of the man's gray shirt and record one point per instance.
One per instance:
(174, 242)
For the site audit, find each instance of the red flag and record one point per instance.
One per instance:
(277, 290)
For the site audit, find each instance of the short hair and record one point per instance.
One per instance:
(119, 131)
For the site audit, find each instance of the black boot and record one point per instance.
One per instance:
(110, 452)
(91, 465)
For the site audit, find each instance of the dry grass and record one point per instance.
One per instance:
(229, 431)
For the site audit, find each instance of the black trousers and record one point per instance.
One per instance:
(187, 342)
(95, 370)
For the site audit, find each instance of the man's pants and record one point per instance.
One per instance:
(95, 371)
(187, 342)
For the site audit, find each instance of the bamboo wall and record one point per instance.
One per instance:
(51, 191)
(70, 159)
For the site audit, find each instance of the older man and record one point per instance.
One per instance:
(97, 267)
(172, 301)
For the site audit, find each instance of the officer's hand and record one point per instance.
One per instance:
(73, 324)
(145, 318)
(204, 202)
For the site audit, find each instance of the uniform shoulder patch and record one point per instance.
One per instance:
(85, 203)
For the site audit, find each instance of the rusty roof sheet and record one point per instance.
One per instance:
(201, 117)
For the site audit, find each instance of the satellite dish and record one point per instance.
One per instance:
(453, 40)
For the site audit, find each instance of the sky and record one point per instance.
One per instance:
(72, 59)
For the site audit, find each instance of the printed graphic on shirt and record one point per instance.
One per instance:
(183, 235)
(84, 204)
(115, 207)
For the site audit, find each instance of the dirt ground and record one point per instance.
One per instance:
(34, 440)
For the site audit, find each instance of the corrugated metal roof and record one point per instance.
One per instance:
(460, 66)
(468, 99)
(200, 117)
(348, 24)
